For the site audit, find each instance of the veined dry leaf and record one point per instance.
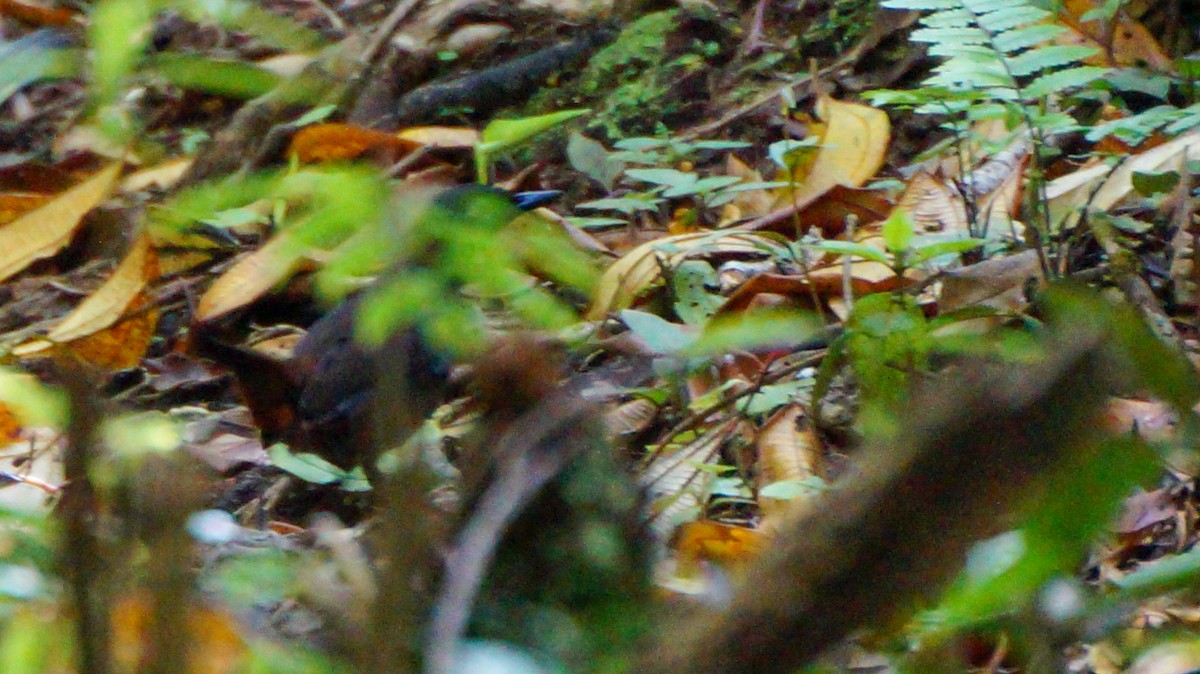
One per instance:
(44, 231)
(1070, 193)
(251, 277)
(934, 205)
(673, 480)
(441, 136)
(641, 267)
(788, 451)
(109, 303)
(330, 142)
(630, 417)
(852, 148)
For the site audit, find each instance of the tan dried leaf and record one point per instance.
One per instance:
(44, 231)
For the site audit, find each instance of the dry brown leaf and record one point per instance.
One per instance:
(123, 344)
(37, 13)
(641, 267)
(673, 480)
(109, 303)
(251, 277)
(852, 148)
(330, 142)
(44, 231)
(750, 203)
(788, 451)
(1131, 44)
(829, 213)
(998, 282)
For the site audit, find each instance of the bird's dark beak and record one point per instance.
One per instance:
(527, 201)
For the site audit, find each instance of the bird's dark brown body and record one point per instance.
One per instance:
(326, 398)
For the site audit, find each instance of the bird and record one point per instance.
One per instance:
(321, 400)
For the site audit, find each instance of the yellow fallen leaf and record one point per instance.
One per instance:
(251, 277)
(853, 142)
(108, 304)
(44, 231)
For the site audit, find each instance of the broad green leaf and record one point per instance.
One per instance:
(753, 330)
(660, 335)
(235, 79)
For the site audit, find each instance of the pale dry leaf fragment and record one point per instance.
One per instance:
(441, 136)
(108, 304)
(252, 277)
(162, 176)
(1102, 187)
(46, 230)
(852, 148)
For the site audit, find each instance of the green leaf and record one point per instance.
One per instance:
(234, 79)
(676, 180)
(693, 301)
(1149, 184)
(31, 401)
(591, 159)
(118, 32)
(660, 335)
(753, 330)
(25, 61)
(1063, 80)
(898, 231)
(628, 205)
(930, 251)
(851, 248)
(504, 134)
(317, 114)
(314, 469)
(246, 17)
